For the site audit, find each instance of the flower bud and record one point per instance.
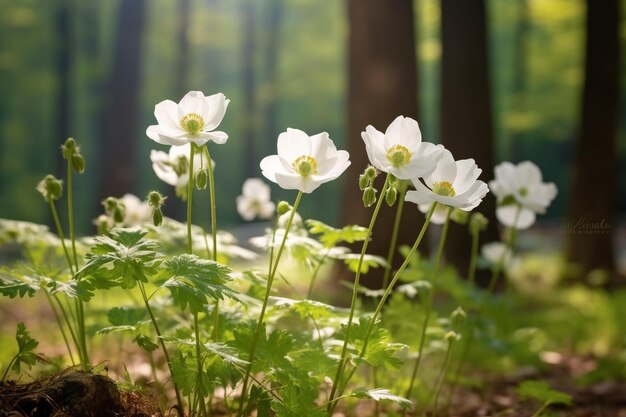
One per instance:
(118, 214)
(157, 216)
(109, 204)
(78, 163)
(50, 188)
(282, 208)
(156, 199)
(393, 180)
(370, 173)
(391, 196)
(103, 224)
(114, 208)
(459, 216)
(363, 182)
(369, 196)
(201, 179)
(477, 223)
(69, 148)
(458, 318)
(452, 337)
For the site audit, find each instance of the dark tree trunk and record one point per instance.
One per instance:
(249, 88)
(275, 12)
(466, 125)
(593, 184)
(382, 85)
(121, 131)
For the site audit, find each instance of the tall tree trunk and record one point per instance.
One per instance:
(519, 82)
(249, 88)
(275, 13)
(466, 125)
(382, 84)
(121, 132)
(593, 184)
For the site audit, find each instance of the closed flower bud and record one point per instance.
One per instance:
(391, 196)
(78, 163)
(370, 173)
(118, 214)
(50, 188)
(363, 182)
(369, 196)
(452, 337)
(201, 179)
(477, 223)
(458, 318)
(157, 216)
(282, 208)
(103, 224)
(69, 148)
(459, 216)
(156, 199)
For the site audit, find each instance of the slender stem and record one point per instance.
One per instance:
(179, 400)
(69, 325)
(190, 180)
(442, 376)
(428, 306)
(57, 223)
(322, 261)
(70, 210)
(60, 324)
(540, 410)
(471, 271)
(355, 290)
(199, 364)
(386, 294)
(394, 237)
(6, 371)
(80, 313)
(270, 280)
(213, 204)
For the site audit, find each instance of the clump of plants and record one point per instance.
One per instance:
(231, 343)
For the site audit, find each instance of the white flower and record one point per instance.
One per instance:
(400, 150)
(136, 212)
(520, 193)
(453, 183)
(254, 200)
(304, 163)
(439, 215)
(173, 167)
(495, 252)
(191, 120)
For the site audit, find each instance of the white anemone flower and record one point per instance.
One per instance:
(400, 150)
(193, 119)
(439, 215)
(304, 163)
(173, 167)
(136, 211)
(495, 252)
(453, 183)
(521, 193)
(254, 200)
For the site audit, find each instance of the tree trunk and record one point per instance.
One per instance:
(121, 132)
(382, 85)
(466, 125)
(593, 184)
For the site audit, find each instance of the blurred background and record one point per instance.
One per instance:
(492, 80)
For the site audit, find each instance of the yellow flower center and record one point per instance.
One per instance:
(192, 123)
(398, 155)
(443, 188)
(305, 165)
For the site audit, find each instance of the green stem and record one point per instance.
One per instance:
(179, 400)
(80, 317)
(471, 271)
(355, 290)
(540, 410)
(442, 376)
(6, 371)
(69, 325)
(57, 223)
(216, 310)
(60, 324)
(190, 180)
(386, 294)
(428, 306)
(270, 280)
(70, 210)
(309, 292)
(394, 237)
(196, 327)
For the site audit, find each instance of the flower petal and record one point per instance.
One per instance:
(508, 216)
(217, 105)
(193, 102)
(403, 131)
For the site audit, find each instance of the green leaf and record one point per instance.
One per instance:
(13, 284)
(379, 394)
(330, 236)
(119, 316)
(541, 391)
(82, 289)
(297, 402)
(380, 351)
(369, 261)
(121, 259)
(26, 349)
(194, 281)
(305, 308)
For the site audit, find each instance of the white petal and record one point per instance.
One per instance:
(439, 215)
(508, 216)
(269, 166)
(421, 194)
(296, 182)
(374, 146)
(292, 144)
(154, 133)
(203, 137)
(528, 173)
(193, 102)
(467, 172)
(217, 105)
(403, 131)
(166, 113)
(245, 209)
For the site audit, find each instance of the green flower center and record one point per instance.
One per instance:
(192, 123)
(305, 165)
(523, 191)
(443, 188)
(398, 155)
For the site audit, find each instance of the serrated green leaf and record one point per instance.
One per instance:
(541, 391)
(14, 284)
(119, 316)
(83, 289)
(379, 394)
(194, 281)
(121, 258)
(330, 236)
(369, 261)
(227, 353)
(146, 343)
(26, 349)
(305, 308)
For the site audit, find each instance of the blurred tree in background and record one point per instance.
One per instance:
(286, 63)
